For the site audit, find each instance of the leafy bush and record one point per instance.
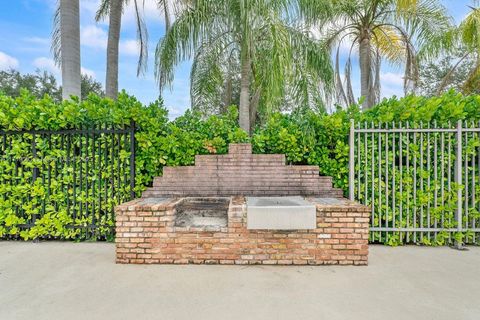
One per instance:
(305, 137)
(71, 199)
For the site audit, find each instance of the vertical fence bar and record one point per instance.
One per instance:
(386, 179)
(420, 170)
(458, 180)
(435, 176)
(400, 146)
(473, 197)
(449, 176)
(132, 159)
(408, 175)
(414, 209)
(351, 163)
(94, 220)
(35, 171)
(478, 166)
(365, 148)
(372, 175)
(394, 204)
(466, 191)
(474, 224)
(428, 181)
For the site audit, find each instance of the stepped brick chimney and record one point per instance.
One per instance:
(242, 173)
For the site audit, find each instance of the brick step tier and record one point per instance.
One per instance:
(152, 193)
(242, 173)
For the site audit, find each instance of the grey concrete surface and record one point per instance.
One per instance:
(56, 280)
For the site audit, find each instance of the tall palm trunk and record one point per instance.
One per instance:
(227, 95)
(115, 21)
(244, 110)
(254, 108)
(366, 76)
(70, 48)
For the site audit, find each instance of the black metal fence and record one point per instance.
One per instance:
(65, 183)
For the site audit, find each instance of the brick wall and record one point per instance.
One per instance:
(146, 233)
(242, 173)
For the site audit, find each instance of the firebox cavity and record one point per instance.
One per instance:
(202, 212)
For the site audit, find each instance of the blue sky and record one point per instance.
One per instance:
(25, 45)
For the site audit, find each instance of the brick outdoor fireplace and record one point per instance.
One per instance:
(242, 208)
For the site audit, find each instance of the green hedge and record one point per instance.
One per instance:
(304, 136)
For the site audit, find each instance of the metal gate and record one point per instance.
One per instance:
(422, 181)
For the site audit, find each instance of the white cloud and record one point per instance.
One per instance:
(129, 47)
(38, 40)
(392, 84)
(391, 79)
(174, 112)
(47, 64)
(93, 36)
(89, 6)
(149, 9)
(96, 37)
(88, 72)
(8, 62)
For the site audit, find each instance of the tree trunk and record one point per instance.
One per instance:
(244, 110)
(70, 46)
(114, 26)
(254, 108)
(366, 76)
(227, 95)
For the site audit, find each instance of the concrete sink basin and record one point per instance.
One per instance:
(280, 213)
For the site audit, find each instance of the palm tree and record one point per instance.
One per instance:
(250, 39)
(114, 10)
(466, 39)
(377, 29)
(66, 46)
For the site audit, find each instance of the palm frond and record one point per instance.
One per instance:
(56, 46)
(103, 10)
(142, 39)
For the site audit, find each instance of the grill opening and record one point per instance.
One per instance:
(202, 212)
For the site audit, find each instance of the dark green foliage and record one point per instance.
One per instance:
(78, 183)
(305, 137)
(42, 83)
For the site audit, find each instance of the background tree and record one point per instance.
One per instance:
(465, 39)
(251, 39)
(376, 29)
(66, 46)
(433, 73)
(41, 83)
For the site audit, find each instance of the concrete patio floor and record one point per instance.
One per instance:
(61, 280)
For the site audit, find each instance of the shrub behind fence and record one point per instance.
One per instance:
(423, 183)
(64, 184)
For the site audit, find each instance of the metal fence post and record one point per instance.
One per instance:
(458, 180)
(351, 161)
(35, 175)
(132, 159)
